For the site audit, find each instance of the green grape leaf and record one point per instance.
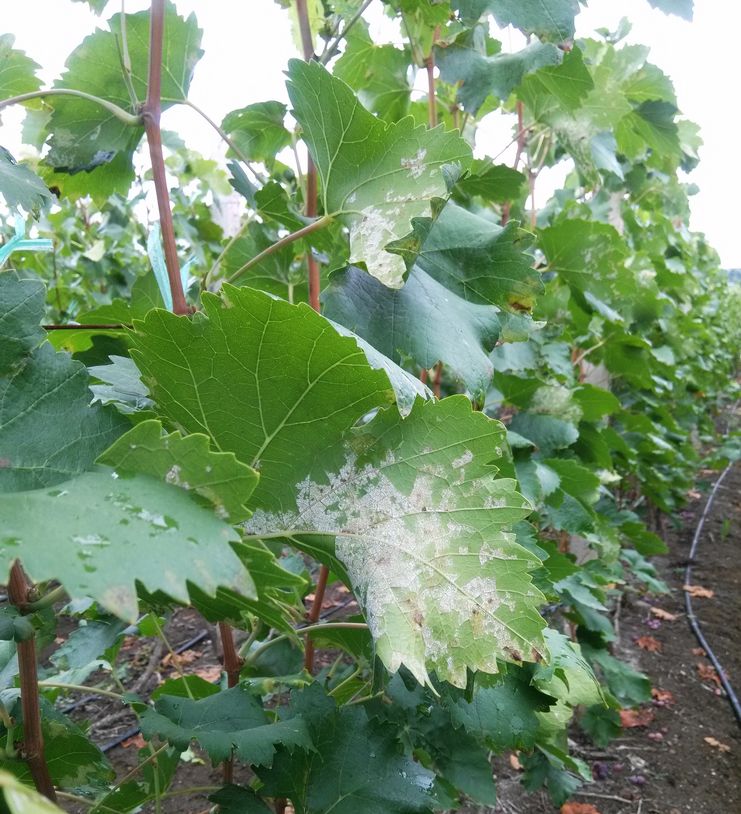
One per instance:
(595, 402)
(20, 186)
(121, 386)
(375, 176)
(563, 85)
(97, 6)
(188, 462)
(258, 130)
(22, 299)
(503, 716)
(278, 590)
(683, 8)
(90, 150)
(466, 270)
(20, 799)
(271, 382)
(466, 61)
(601, 724)
(17, 71)
(100, 534)
(377, 73)
(626, 684)
(232, 719)
(75, 763)
(398, 323)
(87, 643)
(547, 432)
(417, 521)
(239, 800)
(549, 19)
(361, 770)
(48, 430)
(568, 676)
(493, 182)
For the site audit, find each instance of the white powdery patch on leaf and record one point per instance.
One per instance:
(443, 586)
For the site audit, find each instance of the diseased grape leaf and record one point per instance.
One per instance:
(99, 534)
(375, 176)
(418, 522)
(90, 150)
(271, 382)
(185, 461)
(231, 719)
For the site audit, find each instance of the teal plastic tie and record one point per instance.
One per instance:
(20, 243)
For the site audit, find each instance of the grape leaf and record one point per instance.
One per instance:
(480, 75)
(21, 309)
(683, 8)
(503, 716)
(271, 382)
(361, 770)
(20, 799)
(232, 719)
(493, 182)
(375, 176)
(121, 386)
(418, 525)
(97, 6)
(87, 138)
(258, 130)
(465, 268)
(100, 534)
(48, 430)
(20, 186)
(377, 73)
(188, 462)
(239, 800)
(17, 71)
(549, 19)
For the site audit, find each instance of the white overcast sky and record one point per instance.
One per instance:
(248, 42)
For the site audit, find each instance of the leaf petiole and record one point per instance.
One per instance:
(131, 119)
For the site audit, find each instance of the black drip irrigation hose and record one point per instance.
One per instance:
(692, 618)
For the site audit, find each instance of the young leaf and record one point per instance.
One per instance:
(418, 525)
(233, 719)
(376, 177)
(100, 534)
(549, 19)
(271, 382)
(188, 462)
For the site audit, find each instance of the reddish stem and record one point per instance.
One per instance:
(437, 380)
(232, 666)
(151, 113)
(33, 739)
(313, 615)
(312, 205)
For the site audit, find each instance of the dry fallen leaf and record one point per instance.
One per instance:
(211, 672)
(694, 494)
(137, 741)
(514, 762)
(707, 673)
(631, 718)
(579, 808)
(698, 592)
(649, 643)
(698, 651)
(662, 698)
(716, 744)
(178, 659)
(660, 613)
